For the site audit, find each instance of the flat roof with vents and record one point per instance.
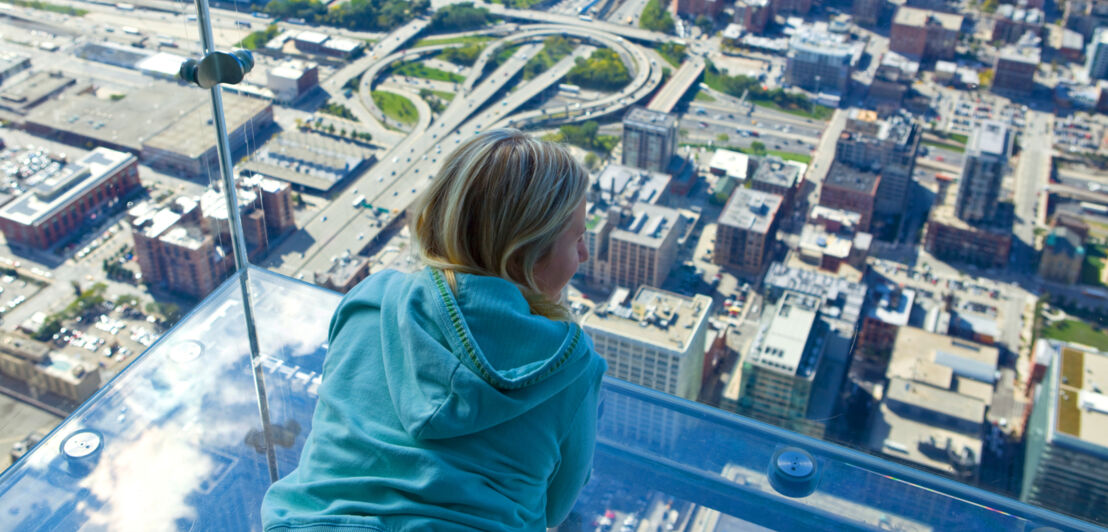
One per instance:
(1082, 406)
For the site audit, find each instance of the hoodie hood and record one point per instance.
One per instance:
(460, 362)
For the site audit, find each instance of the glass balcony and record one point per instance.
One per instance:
(175, 441)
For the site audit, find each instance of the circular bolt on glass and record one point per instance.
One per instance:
(793, 472)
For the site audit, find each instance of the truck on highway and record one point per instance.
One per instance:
(358, 202)
(125, 7)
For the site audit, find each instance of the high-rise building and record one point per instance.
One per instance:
(1016, 65)
(948, 237)
(821, 61)
(887, 147)
(986, 161)
(777, 176)
(889, 310)
(851, 189)
(933, 410)
(781, 366)
(649, 139)
(654, 339)
(67, 196)
(1096, 55)
(185, 247)
(1066, 464)
(746, 230)
(642, 244)
(923, 34)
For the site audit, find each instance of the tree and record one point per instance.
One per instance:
(704, 23)
(603, 70)
(759, 147)
(722, 137)
(654, 17)
(462, 16)
(591, 160)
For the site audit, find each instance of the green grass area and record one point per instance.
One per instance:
(464, 39)
(448, 96)
(672, 52)
(785, 155)
(46, 6)
(942, 145)
(593, 221)
(258, 39)
(702, 96)
(553, 50)
(1093, 269)
(818, 112)
(958, 137)
(1077, 331)
(790, 156)
(396, 106)
(337, 109)
(419, 70)
(517, 4)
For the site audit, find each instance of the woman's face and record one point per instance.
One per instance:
(554, 270)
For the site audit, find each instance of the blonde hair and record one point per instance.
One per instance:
(496, 207)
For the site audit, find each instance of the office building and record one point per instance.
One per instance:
(730, 163)
(1066, 464)
(838, 295)
(623, 185)
(654, 339)
(778, 373)
(888, 88)
(778, 176)
(649, 139)
(44, 371)
(923, 34)
(1062, 256)
(65, 196)
(747, 230)
(185, 247)
(309, 160)
(1096, 55)
(831, 239)
(887, 147)
(821, 61)
(1016, 64)
(949, 237)
(753, 15)
(851, 189)
(12, 63)
(932, 413)
(642, 244)
(188, 148)
(986, 161)
(312, 42)
(1010, 23)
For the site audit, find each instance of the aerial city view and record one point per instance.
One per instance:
(879, 224)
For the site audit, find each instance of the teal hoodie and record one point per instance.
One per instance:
(443, 411)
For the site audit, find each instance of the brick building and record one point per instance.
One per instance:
(694, 8)
(949, 237)
(1062, 256)
(1016, 65)
(924, 34)
(60, 204)
(851, 189)
(753, 15)
(887, 146)
(746, 231)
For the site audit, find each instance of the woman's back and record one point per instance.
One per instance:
(444, 409)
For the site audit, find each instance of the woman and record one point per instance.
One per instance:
(464, 396)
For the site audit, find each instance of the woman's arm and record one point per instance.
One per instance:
(575, 466)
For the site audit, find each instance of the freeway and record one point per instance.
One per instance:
(678, 85)
(628, 32)
(398, 176)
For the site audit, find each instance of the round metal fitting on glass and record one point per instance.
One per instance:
(82, 450)
(793, 472)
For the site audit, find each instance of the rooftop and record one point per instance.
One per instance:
(815, 239)
(991, 138)
(841, 298)
(665, 319)
(893, 304)
(1064, 240)
(845, 176)
(308, 159)
(648, 225)
(782, 343)
(631, 184)
(921, 443)
(645, 118)
(943, 212)
(751, 210)
(731, 163)
(1080, 404)
(777, 172)
(910, 16)
(942, 361)
(826, 45)
(67, 184)
(191, 136)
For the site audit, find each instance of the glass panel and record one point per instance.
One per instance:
(178, 436)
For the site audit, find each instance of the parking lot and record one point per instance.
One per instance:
(14, 291)
(110, 340)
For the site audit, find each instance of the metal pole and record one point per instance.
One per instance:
(238, 241)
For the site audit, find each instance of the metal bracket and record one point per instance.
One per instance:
(217, 67)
